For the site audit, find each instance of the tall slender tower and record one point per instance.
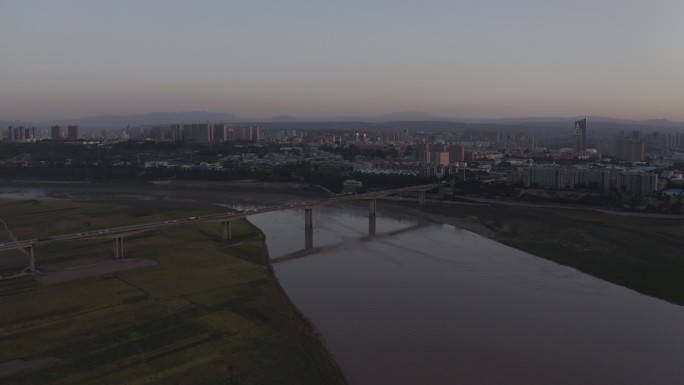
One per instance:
(580, 143)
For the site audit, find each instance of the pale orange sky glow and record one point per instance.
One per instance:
(305, 58)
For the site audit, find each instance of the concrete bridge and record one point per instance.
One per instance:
(119, 233)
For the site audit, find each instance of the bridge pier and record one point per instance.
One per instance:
(226, 233)
(308, 238)
(118, 248)
(32, 259)
(371, 226)
(372, 208)
(308, 218)
(421, 198)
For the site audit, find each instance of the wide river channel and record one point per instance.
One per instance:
(421, 302)
(434, 304)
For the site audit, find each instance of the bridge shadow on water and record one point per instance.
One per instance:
(310, 250)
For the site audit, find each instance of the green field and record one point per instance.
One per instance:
(207, 313)
(643, 254)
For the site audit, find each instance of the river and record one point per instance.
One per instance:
(428, 303)
(435, 304)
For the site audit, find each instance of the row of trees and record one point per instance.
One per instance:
(303, 173)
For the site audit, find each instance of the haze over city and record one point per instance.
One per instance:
(309, 58)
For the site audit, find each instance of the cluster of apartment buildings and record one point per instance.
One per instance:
(20, 134)
(29, 134)
(73, 133)
(512, 157)
(198, 133)
(606, 179)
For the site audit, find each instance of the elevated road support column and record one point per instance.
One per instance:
(308, 218)
(226, 233)
(421, 198)
(118, 248)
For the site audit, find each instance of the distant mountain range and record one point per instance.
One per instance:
(591, 119)
(163, 118)
(152, 119)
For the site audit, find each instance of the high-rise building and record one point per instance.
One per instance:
(156, 133)
(57, 133)
(580, 143)
(19, 133)
(456, 153)
(135, 132)
(422, 153)
(629, 150)
(73, 133)
(201, 133)
(176, 132)
(220, 132)
(253, 133)
(637, 183)
(441, 158)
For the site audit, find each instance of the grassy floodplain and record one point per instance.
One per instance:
(643, 254)
(207, 313)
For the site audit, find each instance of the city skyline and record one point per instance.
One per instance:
(449, 59)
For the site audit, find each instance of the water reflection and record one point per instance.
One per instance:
(324, 234)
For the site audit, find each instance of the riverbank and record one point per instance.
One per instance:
(640, 253)
(207, 312)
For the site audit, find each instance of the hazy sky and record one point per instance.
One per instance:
(259, 58)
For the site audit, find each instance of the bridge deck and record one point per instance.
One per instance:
(120, 232)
